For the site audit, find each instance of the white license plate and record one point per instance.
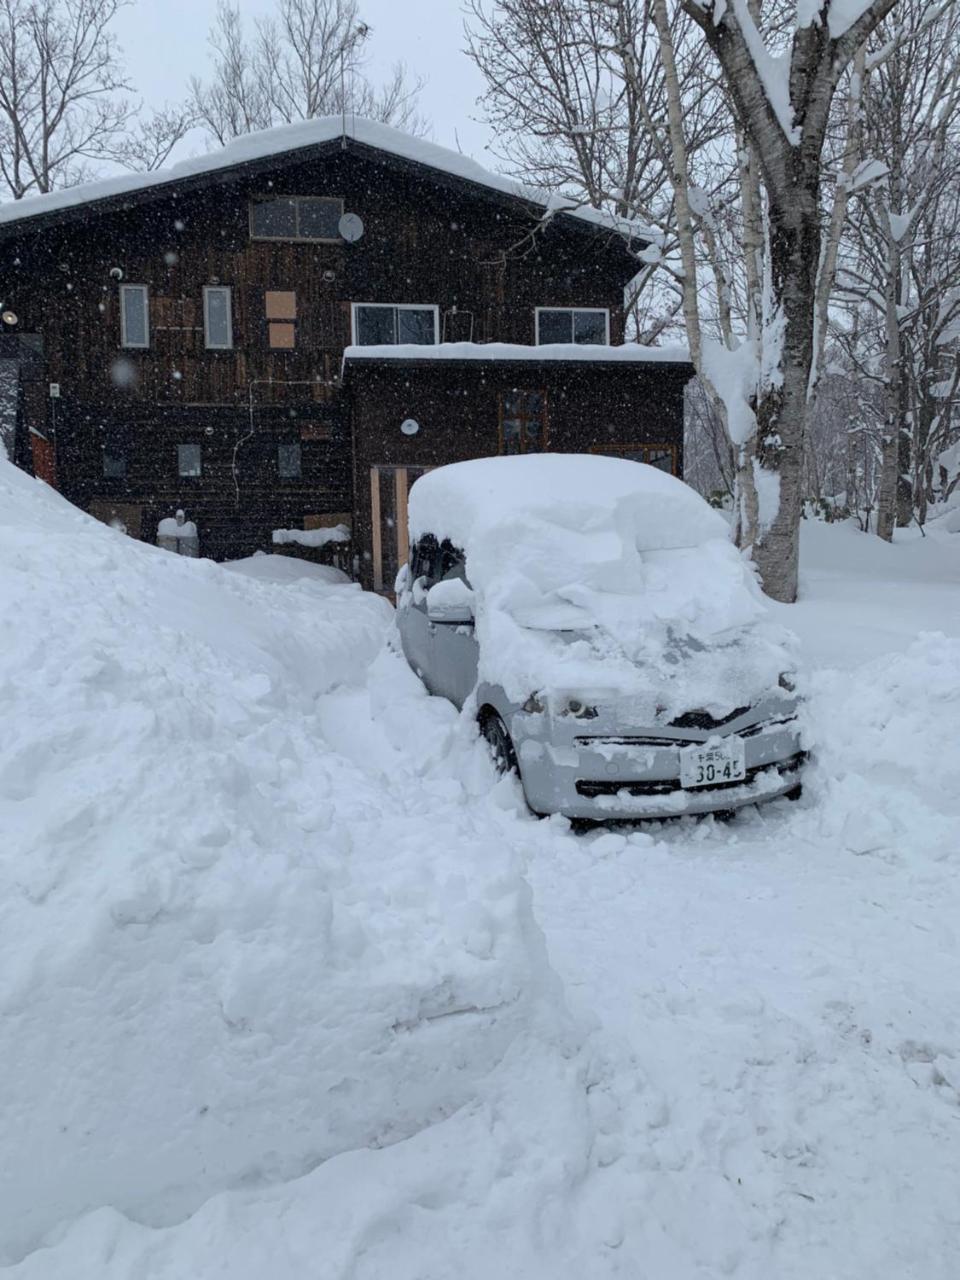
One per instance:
(710, 766)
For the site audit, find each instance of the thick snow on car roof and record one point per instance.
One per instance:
(631, 559)
(584, 492)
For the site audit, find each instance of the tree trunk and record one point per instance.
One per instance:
(794, 259)
(890, 443)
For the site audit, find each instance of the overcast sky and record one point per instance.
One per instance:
(165, 42)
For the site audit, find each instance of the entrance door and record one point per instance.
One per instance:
(389, 487)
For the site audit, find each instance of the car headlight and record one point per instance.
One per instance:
(788, 681)
(579, 710)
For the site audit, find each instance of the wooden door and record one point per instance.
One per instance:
(389, 489)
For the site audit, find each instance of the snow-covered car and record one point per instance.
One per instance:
(614, 642)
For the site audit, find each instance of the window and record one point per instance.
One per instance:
(523, 422)
(587, 326)
(134, 315)
(661, 456)
(288, 461)
(217, 317)
(295, 218)
(114, 465)
(189, 460)
(387, 323)
(280, 306)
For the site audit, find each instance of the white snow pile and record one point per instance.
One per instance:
(311, 537)
(603, 576)
(227, 950)
(887, 762)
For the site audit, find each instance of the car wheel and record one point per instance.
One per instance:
(498, 740)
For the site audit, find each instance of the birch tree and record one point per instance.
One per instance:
(903, 257)
(783, 107)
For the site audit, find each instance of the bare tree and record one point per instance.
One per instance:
(576, 94)
(305, 61)
(63, 103)
(903, 260)
(784, 113)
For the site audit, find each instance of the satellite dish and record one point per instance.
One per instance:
(350, 227)
(409, 426)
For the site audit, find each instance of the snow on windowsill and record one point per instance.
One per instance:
(629, 352)
(311, 537)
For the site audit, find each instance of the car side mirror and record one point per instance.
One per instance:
(402, 581)
(451, 602)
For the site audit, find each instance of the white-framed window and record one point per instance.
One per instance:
(134, 315)
(295, 218)
(586, 326)
(395, 323)
(217, 317)
(189, 460)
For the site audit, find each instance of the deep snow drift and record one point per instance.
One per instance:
(761, 1076)
(226, 951)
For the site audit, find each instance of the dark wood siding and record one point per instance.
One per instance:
(593, 405)
(429, 238)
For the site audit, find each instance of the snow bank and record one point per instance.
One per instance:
(887, 751)
(601, 575)
(227, 951)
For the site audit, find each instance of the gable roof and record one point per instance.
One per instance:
(322, 134)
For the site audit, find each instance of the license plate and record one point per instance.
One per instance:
(710, 766)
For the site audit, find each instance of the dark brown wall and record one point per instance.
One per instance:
(422, 243)
(589, 405)
(427, 239)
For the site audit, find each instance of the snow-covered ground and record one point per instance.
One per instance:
(292, 986)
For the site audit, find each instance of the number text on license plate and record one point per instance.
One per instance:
(711, 766)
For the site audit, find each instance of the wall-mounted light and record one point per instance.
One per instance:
(9, 318)
(116, 273)
(409, 426)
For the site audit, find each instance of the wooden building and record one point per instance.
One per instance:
(282, 335)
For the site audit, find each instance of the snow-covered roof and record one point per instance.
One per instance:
(631, 352)
(298, 137)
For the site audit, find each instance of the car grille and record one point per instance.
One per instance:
(667, 786)
(636, 740)
(704, 720)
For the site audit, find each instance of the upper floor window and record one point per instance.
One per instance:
(583, 325)
(217, 317)
(280, 306)
(377, 323)
(295, 218)
(134, 315)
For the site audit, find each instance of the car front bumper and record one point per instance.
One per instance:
(634, 776)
